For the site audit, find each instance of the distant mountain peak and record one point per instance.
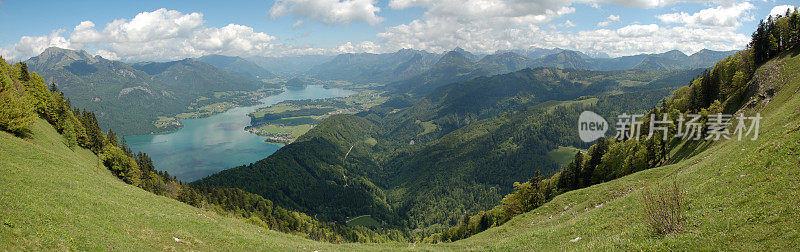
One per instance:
(674, 54)
(468, 55)
(65, 54)
(55, 57)
(453, 57)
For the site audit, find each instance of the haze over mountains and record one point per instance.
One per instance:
(169, 88)
(423, 66)
(111, 88)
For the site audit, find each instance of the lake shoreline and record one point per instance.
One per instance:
(257, 97)
(204, 146)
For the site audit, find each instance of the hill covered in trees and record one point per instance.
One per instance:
(238, 65)
(111, 88)
(421, 163)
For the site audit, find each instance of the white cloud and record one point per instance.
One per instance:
(329, 12)
(780, 10)
(32, 46)
(488, 26)
(628, 40)
(475, 25)
(610, 19)
(156, 25)
(366, 46)
(513, 11)
(720, 16)
(85, 33)
(637, 30)
(107, 55)
(158, 35)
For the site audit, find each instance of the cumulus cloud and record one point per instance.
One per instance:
(628, 40)
(634, 39)
(330, 12)
(488, 26)
(720, 16)
(610, 19)
(157, 25)
(637, 30)
(567, 23)
(158, 35)
(475, 25)
(30, 46)
(366, 46)
(513, 11)
(780, 10)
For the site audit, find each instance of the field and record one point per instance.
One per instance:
(286, 121)
(364, 220)
(563, 155)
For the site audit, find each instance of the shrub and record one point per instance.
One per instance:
(16, 113)
(662, 208)
(121, 165)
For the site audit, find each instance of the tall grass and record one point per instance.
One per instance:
(662, 208)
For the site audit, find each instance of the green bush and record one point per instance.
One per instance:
(16, 112)
(121, 165)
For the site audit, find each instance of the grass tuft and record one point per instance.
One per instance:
(662, 209)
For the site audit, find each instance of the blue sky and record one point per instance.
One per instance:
(169, 30)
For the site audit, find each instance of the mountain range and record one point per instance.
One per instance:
(111, 88)
(237, 65)
(408, 69)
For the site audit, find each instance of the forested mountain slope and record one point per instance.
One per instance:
(418, 163)
(237, 65)
(111, 88)
(374, 68)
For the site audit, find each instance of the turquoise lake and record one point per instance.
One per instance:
(208, 145)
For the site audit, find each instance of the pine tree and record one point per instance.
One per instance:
(25, 76)
(112, 139)
(596, 153)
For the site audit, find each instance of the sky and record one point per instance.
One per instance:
(150, 30)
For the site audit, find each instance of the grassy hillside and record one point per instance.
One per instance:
(58, 198)
(55, 197)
